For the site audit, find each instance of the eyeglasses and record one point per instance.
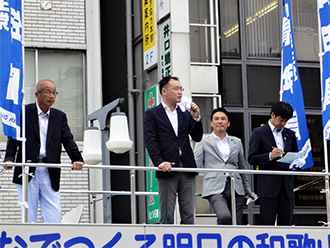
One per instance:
(177, 88)
(48, 93)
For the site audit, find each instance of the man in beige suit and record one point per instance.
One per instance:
(219, 150)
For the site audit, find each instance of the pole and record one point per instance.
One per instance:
(101, 115)
(325, 145)
(281, 83)
(25, 169)
(131, 107)
(233, 199)
(106, 178)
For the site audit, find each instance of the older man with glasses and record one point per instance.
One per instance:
(46, 131)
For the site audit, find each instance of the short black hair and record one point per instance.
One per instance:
(164, 81)
(282, 109)
(223, 110)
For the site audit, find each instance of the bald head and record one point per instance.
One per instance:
(41, 84)
(45, 94)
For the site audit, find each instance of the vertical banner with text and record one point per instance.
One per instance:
(165, 68)
(149, 34)
(151, 100)
(291, 90)
(11, 66)
(324, 16)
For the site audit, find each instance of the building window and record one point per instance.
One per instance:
(204, 45)
(66, 69)
(256, 75)
(263, 28)
(206, 104)
(229, 29)
(263, 85)
(311, 86)
(232, 92)
(305, 29)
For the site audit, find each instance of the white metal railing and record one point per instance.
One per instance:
(133, 193)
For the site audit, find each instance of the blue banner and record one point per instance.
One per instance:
(291, 90)
(324, 14)
(11, 66)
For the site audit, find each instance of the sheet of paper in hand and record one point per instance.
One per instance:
(290, 157)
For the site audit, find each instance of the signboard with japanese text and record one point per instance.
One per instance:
(149, 34)
(160, 236)
(163, 8)
(165, 67)
(151, 100)
(11, 66)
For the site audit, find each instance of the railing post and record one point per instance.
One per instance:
(93, 207)
(233, 199)
(327, 198)
(25, 204)
(133, 200)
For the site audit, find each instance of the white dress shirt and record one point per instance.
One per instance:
(277, 136)
(223, 146)
(43, 127)
(172, 116)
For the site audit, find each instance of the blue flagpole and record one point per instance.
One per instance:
(325, 142)
(281, 85)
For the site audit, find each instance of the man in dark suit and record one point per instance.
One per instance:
(166, 132)
(267, 144)
(46, 131)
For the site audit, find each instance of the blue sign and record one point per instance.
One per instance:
(162, 236)
(291, 88)
(324, 13)
(11, 66)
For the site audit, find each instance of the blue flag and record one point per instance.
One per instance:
(324, 15)
(291, 88)
(11, 66)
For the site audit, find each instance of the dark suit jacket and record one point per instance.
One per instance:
(58, 133)
(261, 143)
(162, 143)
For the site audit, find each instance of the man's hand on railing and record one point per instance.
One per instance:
(166, 166)
(8, 167)
(77, 165)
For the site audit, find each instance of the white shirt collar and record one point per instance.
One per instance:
(168, 108)
(40, 111)
(273, 128)
(225, 139)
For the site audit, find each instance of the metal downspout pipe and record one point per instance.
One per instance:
(131, 106)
